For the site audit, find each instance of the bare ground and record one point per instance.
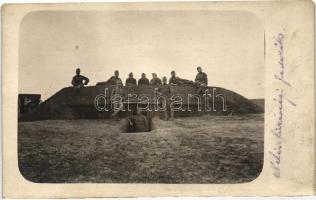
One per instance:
(207, 149)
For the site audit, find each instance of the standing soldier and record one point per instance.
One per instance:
(79, 81)
(143, 80)
(130, 81)
(201, 80)
(165, 89)
(118, 92)
(155, 81)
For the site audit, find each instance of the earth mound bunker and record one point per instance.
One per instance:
(71, 103)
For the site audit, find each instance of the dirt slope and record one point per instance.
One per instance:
(70, 103)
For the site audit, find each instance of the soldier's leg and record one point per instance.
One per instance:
(171, 112)
(165, 110)
(117, 110)
(165, 115)
(199, 89)
(131, 125)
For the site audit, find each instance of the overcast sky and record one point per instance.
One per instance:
(228, 46)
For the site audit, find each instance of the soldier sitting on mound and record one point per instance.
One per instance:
(112, 80)
(138, 122)
(143, 80)
(130, 81)
(79, 81)
(174, 80)
(155, 81)
(201, 80)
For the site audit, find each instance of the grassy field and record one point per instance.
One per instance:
(207, 149)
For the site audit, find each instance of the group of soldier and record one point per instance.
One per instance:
(201, 80)
(200, 83)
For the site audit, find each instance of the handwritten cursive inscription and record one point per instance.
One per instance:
(277, 131)
(279, 44)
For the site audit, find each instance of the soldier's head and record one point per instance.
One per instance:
(143, 75)
(130, 75)
(78, 71)
(199, 69)
(116, 73)
(164, 80)
(173, 73)
(154, 75)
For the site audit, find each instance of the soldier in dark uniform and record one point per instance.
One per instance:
(201, 80)
(138, 122)
(143, 80)
(79, 81)
(130, 81)
(113, 80)
(155, 81)
(166, 91)
(174, 80)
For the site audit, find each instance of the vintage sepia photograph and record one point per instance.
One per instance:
(141, 96)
